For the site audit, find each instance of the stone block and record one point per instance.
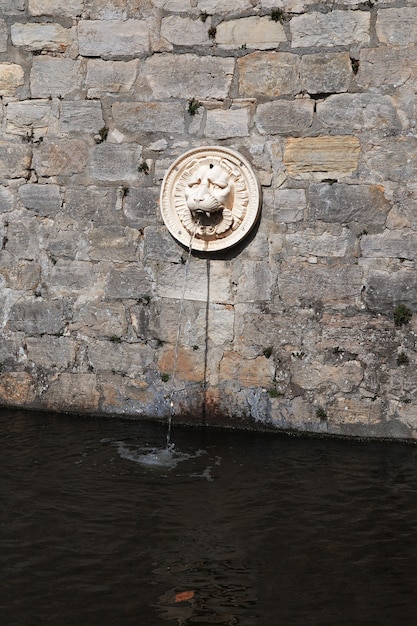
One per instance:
(55, 77)
(398, 26)
(344, 204)
(68, 276)
(284, 116)
(29, 118)
(387, 66)
(160, 246)
(80, 117)
(100, 319)
(50, 37)
(396, 244)
(288, 205)
(384, 290)
(111, 162)
(12, 7)
(327, 30)
(334, 285)
(23, 238)
(61, 244)
(140, 207)
(258, 372)
(113, 243)
(325, 72)
(51, 352)
(17, 389)
(329, 156)
(130, 359)
(253, 282)
(7, 199)
(314, 375)
(37, 317)
(12, 76)
(226, 123)
(170, 281)
(128, 281)
(269, 74)
(393, 158)
(61, 157)
(358, 112)
(189, 363)
(307, 244)
(45, 200)
(110, 77)
(75, 392)
(149, 117)
(260, 33)
(3, 35)
(216, 6)
(113, 38)
(189, 76)
(56, 8)
(174, 27)
(15, 160)
(90, 204)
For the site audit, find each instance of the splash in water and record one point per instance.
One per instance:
(167, 458)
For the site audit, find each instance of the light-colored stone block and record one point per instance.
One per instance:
(3, 36)
(393, 158)
(327, 30)
(284, 116)
(358, 112)
(184, 31)
(80, 117)
(313, 375)
(149, 117)
(260, 33)
(397, 244)
(51, 352)
(324, 155)
(113, 38)
(43, 199)
(113, 243)
(189, 76)
(223, 124)
(12, 76)
(64, 156)
(12, 7)
(7, 200)
(308, 244)
(398, 26)
(269, 74)
(213, 7)
(387, 66)
(326, 72)
(112, 162)
(110, 77)
(258, 372)
(289, 205)
(50, 37)
(55, 77)
(58, 8)
(27, 116)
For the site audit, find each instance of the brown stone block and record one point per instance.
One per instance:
(322, 154)
(67, 156)
(189, 365)
(17, 389)
(72, 392)
(257, 372)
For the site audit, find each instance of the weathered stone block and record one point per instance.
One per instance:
(51, 352)
(12, 76)
(100, 319)
(215, 6)
(64, 156)
(130, 359)
(327, 30)
(75, 392)
(284, 116)
(308, 244)
(359, 111)
(394, 158)
(269, 74)
(37, 317)
(113, 243)
(326, 72)
(69, 276)
(43, 199)
(387, 66)
(326, 155)
(225, 123)
(113, 38)
(288, 205)
(23, 238)
(149, 117)
(140, 207)
(80, 117)
(62, 243)
(128, 281)
(6, 200)
(64, 8)
(17, 389)
(15, 160)
(397, 244)
(170, 281)
(29, 117)
(314, 375)
(111, 162)
(189, 364)
(3, 36)
(397, 27)
(261, 33)
(51, 37)
(54, 77)
(253, 282)
(258, 372)
(12, 7)
(160, 246)
(189, 76)
(343, 204)
(384, 290)
(110, 77)
(174, 27)
(333, 285)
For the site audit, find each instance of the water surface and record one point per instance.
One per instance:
(243, 528)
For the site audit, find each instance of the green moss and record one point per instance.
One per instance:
(402, 315)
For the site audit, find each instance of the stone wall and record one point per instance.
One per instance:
(309, 324)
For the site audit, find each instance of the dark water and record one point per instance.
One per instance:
(255, 530)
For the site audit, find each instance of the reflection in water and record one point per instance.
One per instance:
(236, 528)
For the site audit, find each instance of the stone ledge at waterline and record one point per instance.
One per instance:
(308, 323)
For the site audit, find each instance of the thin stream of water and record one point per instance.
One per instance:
(177, 340)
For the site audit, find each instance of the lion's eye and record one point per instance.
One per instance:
(194, 183)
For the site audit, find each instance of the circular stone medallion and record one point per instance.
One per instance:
(210, 198)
